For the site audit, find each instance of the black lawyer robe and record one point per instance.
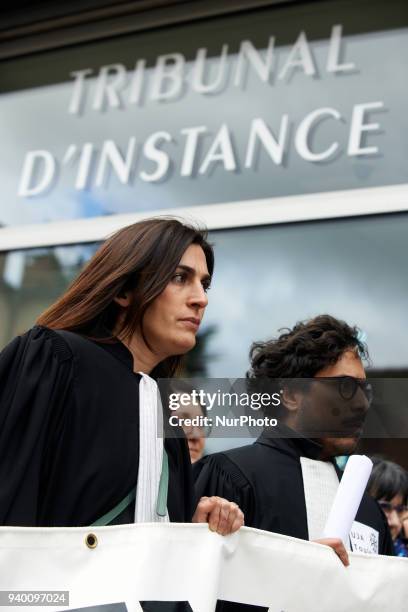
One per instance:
(69, 433)
(265, 480)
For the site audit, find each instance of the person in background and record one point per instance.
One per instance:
(195, 434)
(191, 416)
(388, 484)
(405, 525)
(286, 481)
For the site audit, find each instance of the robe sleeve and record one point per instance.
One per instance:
(218, 475)
(35, 381)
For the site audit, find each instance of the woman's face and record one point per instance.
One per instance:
(394, 519)
(172, 321)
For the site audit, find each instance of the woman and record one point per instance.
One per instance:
(388, 484)
(78, 401)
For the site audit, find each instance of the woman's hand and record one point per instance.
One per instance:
(337, 545)
(222, 516)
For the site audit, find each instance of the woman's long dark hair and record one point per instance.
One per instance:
(141, 257)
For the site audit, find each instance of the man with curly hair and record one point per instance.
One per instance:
(286, 481)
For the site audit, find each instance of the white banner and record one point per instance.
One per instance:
(141, 567)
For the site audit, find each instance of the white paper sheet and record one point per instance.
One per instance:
(348, 497)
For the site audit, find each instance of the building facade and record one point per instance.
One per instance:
(281, 126)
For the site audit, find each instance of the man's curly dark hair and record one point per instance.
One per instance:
(304, 350)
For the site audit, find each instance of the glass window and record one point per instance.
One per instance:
(265, 278)
(269, 278)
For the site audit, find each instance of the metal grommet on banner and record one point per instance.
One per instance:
(91, 540)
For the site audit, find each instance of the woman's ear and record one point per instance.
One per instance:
(124, 299)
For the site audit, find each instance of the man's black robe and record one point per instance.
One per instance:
(265, 480)
(69, 433)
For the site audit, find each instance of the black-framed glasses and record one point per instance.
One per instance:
(388, 507)
(348, 386)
